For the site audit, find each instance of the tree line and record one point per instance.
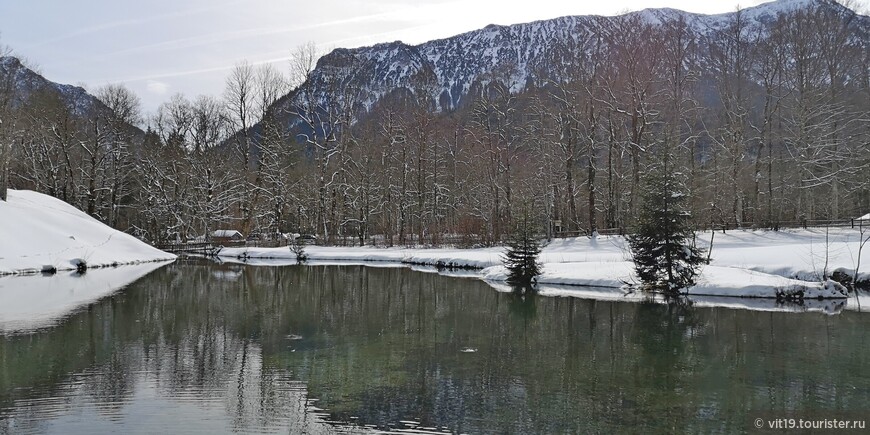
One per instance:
(768, 124)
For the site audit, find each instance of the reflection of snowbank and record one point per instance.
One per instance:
(827, 306)
(613, 274)
(713, 281)
(860, 303)
(40, 232)
(227, 275)
(32, 302)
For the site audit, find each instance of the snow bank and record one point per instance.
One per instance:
(749, 264)
(469, 258)
(33, 302)
(730, 281)
(798, 254)
(39, 232)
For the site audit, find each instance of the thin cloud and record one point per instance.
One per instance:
(131, 22)
(182, 73)
(199, 41)
(228, 36)
(157, 87)
(351, 20)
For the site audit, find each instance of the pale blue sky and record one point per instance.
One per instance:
(161, 47)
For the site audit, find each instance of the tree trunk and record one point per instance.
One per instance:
(4, 176)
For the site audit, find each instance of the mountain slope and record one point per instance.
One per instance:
(22, 83)
(519, 54)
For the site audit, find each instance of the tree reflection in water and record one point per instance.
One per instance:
(235, 347)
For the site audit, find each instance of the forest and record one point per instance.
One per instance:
(768, 123)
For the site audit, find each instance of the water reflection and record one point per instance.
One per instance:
(230, 347)
(826, 306)
(31, 302)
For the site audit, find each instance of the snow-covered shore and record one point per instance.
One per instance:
(748, 264)
(38, 232)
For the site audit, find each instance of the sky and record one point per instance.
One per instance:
(159, 48)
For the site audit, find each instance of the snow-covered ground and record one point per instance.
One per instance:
(749, 264)
(33, 302)
(39, 232)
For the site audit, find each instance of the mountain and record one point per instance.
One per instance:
(22, 83)
(520, 54)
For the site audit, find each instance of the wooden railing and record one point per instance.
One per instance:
(206, 248)
(805, 224)
(209, 248)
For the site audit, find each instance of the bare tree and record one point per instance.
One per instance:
(633, 88)
(174, 121)
(124, 112)
(325, 107)
(240, 98)
(275, 154)
(7, 89)
(302, 63)
(494, 126)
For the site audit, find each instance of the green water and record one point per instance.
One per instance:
(199, 347)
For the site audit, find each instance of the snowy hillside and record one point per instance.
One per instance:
(38, 231)
(519, 54)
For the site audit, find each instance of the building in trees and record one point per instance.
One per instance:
(226, 236)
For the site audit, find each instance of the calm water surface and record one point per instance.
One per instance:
(200, 347)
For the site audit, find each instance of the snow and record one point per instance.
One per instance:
(745, 264)
(731, 281)
(32, 302)
(472, 258)
(38, 232)
(798, 254)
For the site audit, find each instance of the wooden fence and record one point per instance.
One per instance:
(805, 224)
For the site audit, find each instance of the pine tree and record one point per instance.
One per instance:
(664, 258)
(521, 258)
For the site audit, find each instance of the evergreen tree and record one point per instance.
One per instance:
(664, 258)
(521, 258)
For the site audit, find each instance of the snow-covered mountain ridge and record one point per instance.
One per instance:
(26, 83)
(519, 54)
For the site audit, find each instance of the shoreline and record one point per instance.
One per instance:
(746, 264)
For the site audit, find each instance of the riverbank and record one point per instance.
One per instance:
(42, 233)
(749, 264)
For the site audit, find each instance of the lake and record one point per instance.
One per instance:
(202, 347)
